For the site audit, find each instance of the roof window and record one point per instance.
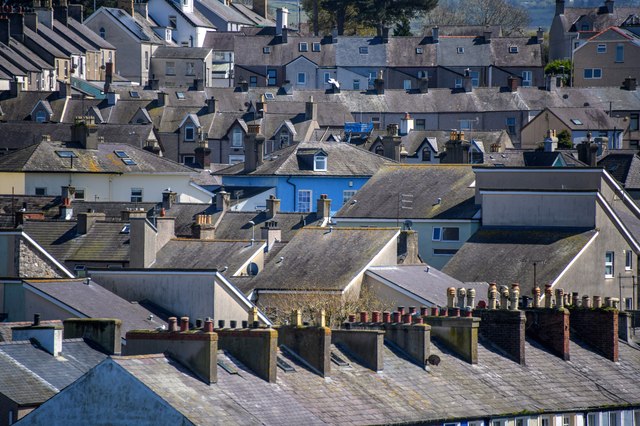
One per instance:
(364, 50)
(513, 49)
(460, 49)
(180, 95)
(303, 46)
(315, 47)
(269, 96)
(125, 229)
(576, 121)
(121, 154)
(134, 94)
(266, 50)
(66, 154)
(129, 162)
(419, 50)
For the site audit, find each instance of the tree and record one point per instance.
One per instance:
(382, 14)
(564, 139)
(403, 28)
(559, 67)
(511, 18)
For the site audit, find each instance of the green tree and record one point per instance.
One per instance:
(386, 13)
(559, 67)
(403, 28)
(564, 139)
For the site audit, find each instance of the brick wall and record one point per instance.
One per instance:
(505, 329)
(551, 328)
(598, 328)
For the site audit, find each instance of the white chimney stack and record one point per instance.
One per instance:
(282, 19)
(406, 124)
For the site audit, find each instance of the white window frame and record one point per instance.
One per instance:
(609, 265)
(457, 83)
(595, 419)
(304, 200)
(406, 84)
(190, 69)
(459, 50)
(444, 228)
(191, 157)
(601, 48)
(135, 198)
(80, 194)
(619, 53)
(170, 68)
(187, 130)
(347, 195)
(466, 124)
(236, 158)
(363, 50)
(41, 116)
(303, 46)
(327, 76)
(356, 84)
(628, 260)
(316, 46)
(527, 78)
(236, 137)
(103, 33)
(436, 234)
(475, 78)
(320, 163)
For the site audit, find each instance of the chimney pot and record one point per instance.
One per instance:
(173, 324)
(434, 311)
(386, 317)
(515, 296)
(412, 310)
(375, 316)
(406, 318)
(468, 312)
(208, 326)
(575, 299)
(199, 323)
(364, 317)
(504, 297)
(245, 324)
(471, 297)
(424, 311)
(184, 323)
(586, 302)
(597, 302)
(444, 312)
(451, 296)
(233, 323)
(454, 312)
(536, 297)
(396, 317)
(492, 295)
(36, 319)
(401, 310)
(221, 324)
(462, 294)
(559, 298)
(351, 318)
(419, 320)
(548, 296)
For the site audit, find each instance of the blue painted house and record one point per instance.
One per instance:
(301, 173)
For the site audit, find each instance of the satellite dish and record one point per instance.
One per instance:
(408, 224)
(334, 82)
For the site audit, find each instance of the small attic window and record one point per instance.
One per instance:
(459, 50)
(66, 154)
(129, 162)
(180, 95)
(121, 154)
(134, 94)
(269, 96)
(320, 163)
(364, 50)
(513, 49)
(576, 121)
(315, 47)
(266, 50)
(303, 46)
(419, 50)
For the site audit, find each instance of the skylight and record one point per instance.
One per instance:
(180, 95)
(513, 49)
(129, 162)
(66, 154)
(121, 154)
(576, 121)
(125, 229)
(134, 94)
(269, 96)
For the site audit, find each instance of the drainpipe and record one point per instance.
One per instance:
(295, 192)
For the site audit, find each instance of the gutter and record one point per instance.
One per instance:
(295, 192)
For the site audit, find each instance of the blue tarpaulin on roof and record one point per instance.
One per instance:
(357, 127)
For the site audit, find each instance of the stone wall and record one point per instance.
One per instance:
(30, 263)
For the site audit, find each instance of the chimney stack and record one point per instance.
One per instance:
(168, 198)
(467, 84)
(271, 233)
(487, 34)
(423, 84)
(203, 228)
(408, 247)
(105, 332)
(391, 143)
(513, 83)
(588, 151)
(223, 200)
(406, 124)
(610, 6)
(211, 105)
(108, 76)
(551, 141)
(378, 83)
(261, 7)
(49, 337)
(311, 110)
(540, 35)
(163, 98)
(323, 207)
(435, 34)
(559, 7)
(87, 220)
(126, 5)
(203, 153)
(630, 84)
(254, 153)
(273, 206)
(142, 8)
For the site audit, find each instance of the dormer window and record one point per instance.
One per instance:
(41, 117)
(320, 162)
(236, 137)
(419, 50)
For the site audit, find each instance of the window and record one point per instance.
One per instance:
(129, 162)
(364, 50)
(191, 69)
(188, 159)
(544, 422)
(41, 116)
(236, 137)
(437, 234)
(173, 22)
(520, 422)
(253, 81)
(320, 163)
(79, 194)
(584, 27)
(457, 83)
(327, 76)
(136, 195)
(356, 84)
(302, 78)
(628, 304)
(315, 47)
(511, 125)
(146, 60)
(420, 124)
(303, 47)
(266, 50)
(590, 73)
(121, 154)
(475, 78)
(419, 50)
(592, 419)
(423, 74)
(103, 33)
(180, 96)
(170, 68)
(614, 419)
(236, 158)
(272, 77)
(527, 77)
(304, 200)
(566, 421)
(41, 191)
(628, 260)
(620, 53)
(513, 49)
(466, 124)
(608, 264)
(426, 154)
(134, 94)
(633, 125)
(348, 194)
(444, 252)
(602, 48)
(376, 122)
(379, 150)
(406, 84)
(460, 50)
(167, 34)
(189, 133)
(450, 234)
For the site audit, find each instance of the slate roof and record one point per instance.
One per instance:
(21, 134)
(591, 118)
(18, 60)
(225, 12)
(348, 52)
(181, 52)
(506, 255)
(251, 15)
(522, 158)
(103, 242)
(137, 25)
(88, 35)
(6, 334)
(95, 301)
(235, 225)
(77, 358)
(598, 15)
(425, 281)
(343, 160)
(20, 107)
(42, 157)
(204, 254)
(623, 166)
(248, 51)
(45, 44)
(402, 393)
(58, 41)
(20, 385)
(378, 198)
(305, 265)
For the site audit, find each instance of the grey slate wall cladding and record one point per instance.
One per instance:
(30, 263)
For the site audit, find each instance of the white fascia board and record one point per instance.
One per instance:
(199, 188)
